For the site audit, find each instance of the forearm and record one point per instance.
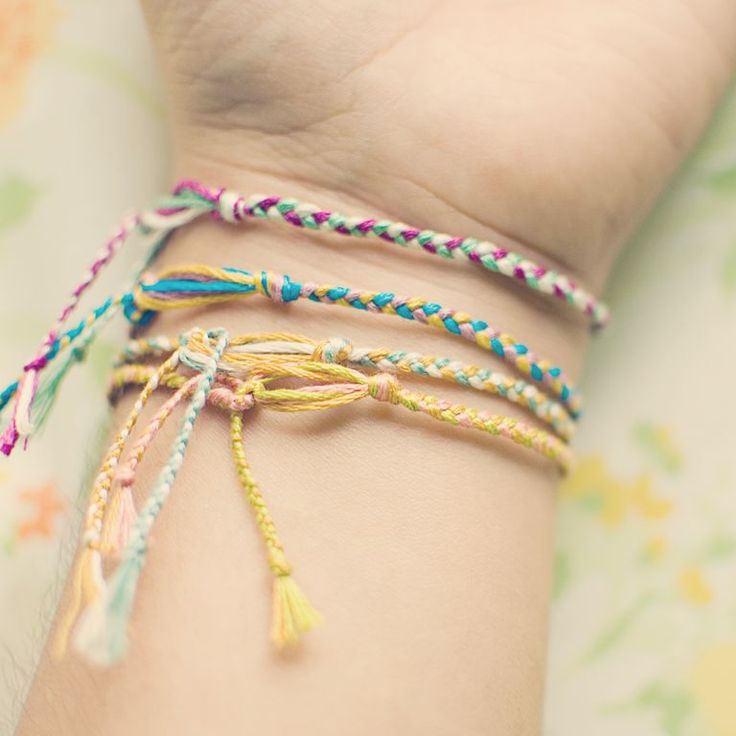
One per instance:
(426, 549)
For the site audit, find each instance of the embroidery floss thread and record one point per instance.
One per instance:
(101, 634)
(244, 351)
(199, 285)
(192, 372)
(233, 208)
(332, 384)
(156, 226)
(190, 199)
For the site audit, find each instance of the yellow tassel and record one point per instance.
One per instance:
(108, 541)
(293, 614)
(83, 589)
(119, 520)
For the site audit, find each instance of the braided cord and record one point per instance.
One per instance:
(234, 208)
(246, 350)
(102, 631)
(200, 285)
(159, 494)
(87, 579)
(191, 199)
(333, 385)
(293, 615)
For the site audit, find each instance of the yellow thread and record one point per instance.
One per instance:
(84, 586)
(336, 385)
(293, 614)
(66, 623)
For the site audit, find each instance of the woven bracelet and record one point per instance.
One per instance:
(114, 530)
(246, 350)
(191, 200)
(233, 208)
(200, 285)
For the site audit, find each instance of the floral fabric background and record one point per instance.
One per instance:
(643, 634)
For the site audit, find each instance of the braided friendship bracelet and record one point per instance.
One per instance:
(102, 630)
(233, 208)
(199, 285)
(245, 351)
(347, 386)
(114, 530)
(190, 200)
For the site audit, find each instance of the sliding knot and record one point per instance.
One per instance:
(230, 206)
(254, 388)
(125, 476)
(384, 387)
(137, 317)
(37, 364)
(278, 287)
(335, 350)
(224, 398)
(193, 356)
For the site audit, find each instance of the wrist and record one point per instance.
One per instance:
(550, 328)
(547, 227)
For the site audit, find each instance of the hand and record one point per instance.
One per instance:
(555, 123)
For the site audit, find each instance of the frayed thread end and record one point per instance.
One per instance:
(9, 437)
(101, 636)
(293, 614)
(119, 521)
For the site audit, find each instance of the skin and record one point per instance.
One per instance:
(549, 127)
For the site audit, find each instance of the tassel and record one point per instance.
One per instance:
(47, 392)
(27, 389)
(101, 636)
(22, 411)
(293, 614)
(109, 526)
(119, 521)
(20, 418)
(87, 585)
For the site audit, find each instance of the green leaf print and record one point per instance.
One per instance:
(728, 271)
(17, 197)
(724, 180)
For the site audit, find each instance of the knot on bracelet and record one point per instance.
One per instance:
(224, 398)
(335, 350)
(37, 364)
(384, 387)
(125, 476)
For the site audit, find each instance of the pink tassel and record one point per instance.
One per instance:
(120, 519)
(20, 424)
(126, 517)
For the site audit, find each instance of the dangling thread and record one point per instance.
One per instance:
(293, 614)
(101, 634)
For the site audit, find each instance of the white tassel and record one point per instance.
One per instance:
(23, 423)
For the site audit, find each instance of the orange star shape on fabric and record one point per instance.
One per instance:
(46, 504)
